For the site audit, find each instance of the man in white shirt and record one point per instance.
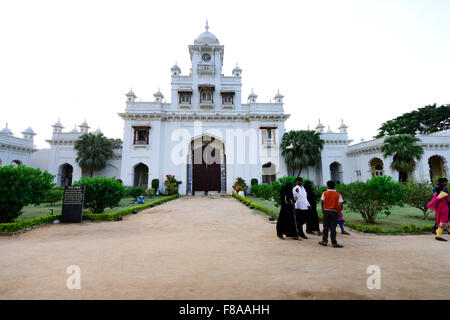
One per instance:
(301, 206)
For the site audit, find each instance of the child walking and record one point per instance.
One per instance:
(341, 223)
(332, 204)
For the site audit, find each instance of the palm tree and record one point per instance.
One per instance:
(301, 149)
(93, 150)
(405, 150)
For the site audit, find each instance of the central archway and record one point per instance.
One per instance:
(206, 165)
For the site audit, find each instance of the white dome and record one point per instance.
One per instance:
(207, 37)
(6, 130)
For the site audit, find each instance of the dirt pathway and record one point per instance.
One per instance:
(214, 248)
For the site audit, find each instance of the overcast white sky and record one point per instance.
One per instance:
(363, 61)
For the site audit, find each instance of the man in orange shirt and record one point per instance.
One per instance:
(332, 203)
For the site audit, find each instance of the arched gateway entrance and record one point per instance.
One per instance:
(206, 165)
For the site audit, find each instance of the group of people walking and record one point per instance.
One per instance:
(298, 207)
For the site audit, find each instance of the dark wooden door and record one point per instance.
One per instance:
(206, 177)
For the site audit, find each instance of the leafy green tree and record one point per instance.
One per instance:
(301, 149)
(370, 198)
(54, 195)
(101, 193)
(426, 120)
(418, 195)
(171, 185)
(405, 150)
(20, 187)
(116, 143)
(93, 150)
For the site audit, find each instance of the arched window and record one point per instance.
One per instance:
(376, 167)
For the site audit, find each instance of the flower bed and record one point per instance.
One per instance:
(111, 216)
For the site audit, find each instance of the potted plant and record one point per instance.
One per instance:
(240, 186)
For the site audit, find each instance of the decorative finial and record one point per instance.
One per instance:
(207, 26)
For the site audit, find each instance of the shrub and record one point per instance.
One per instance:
(171, 185)
(101, 192)
(54, 195)
(150, 192)
(263, 191)
(240, 185)
(20, 187)
(253, 182)
(370, 198)
(418, 195)
(135, 191)
(155, 184)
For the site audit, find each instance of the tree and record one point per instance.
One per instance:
(418, 195)
(370, 198)
(101, 192)
(20, 187)
(301, 149)
(426, 120)
(405, 150)
(93, 150)
(116, 143)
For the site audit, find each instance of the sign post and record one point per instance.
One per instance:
(72, 207)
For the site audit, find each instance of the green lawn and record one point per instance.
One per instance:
(399, 216)
(43, 209)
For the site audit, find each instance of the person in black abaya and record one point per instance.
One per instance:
(286, 224)
(312, 220)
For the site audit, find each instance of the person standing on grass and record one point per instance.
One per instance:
(302, 206)
(441, 182)
(286, 224)
(332, 203)
(312, 222)
(439, 204)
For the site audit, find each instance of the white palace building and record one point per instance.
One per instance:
(207, 137)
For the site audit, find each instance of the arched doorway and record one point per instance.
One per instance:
(206, 165)
(141, 175)
(437, 167)
(336, 172)
(16, 163)
(268, 173)
(65, 173)
(376, 167)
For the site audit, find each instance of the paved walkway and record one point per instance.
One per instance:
(214, 248)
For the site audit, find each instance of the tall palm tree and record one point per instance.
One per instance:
(301, 149)
(405, 150)
(93, 150)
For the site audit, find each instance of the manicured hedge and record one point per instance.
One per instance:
(16, 226)
(20, 225)
(254, 205)
(111, 216)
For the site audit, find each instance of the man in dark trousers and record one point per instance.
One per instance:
(301, 206)
(332, 203)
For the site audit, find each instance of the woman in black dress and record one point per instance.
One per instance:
(312, 220)
(286, 224)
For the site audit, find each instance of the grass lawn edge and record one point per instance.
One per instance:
(364, 229)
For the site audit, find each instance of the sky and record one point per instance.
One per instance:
(361, 61)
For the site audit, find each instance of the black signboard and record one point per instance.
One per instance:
(72, 207)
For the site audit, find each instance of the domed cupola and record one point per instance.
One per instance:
(206, 37)
(6, 131)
